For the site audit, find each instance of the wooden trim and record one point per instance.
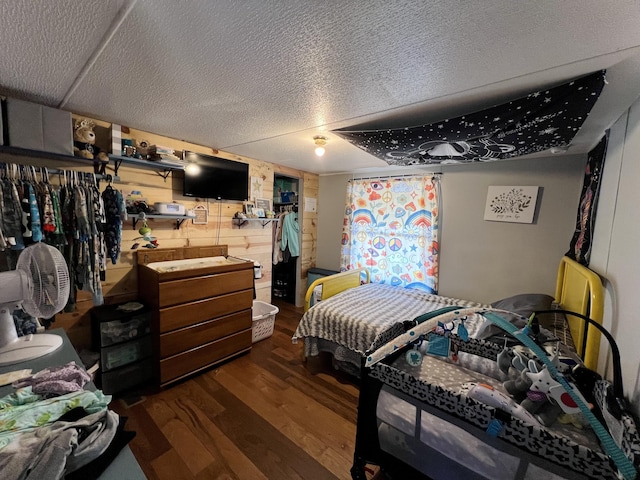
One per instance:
(164, 254)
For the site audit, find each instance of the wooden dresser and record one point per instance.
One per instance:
(201, 315)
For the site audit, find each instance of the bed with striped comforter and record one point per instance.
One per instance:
(365, 318)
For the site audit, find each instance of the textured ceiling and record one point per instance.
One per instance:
(262, 78)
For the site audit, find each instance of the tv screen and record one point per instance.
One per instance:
(217, 178)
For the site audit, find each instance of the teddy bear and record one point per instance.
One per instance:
(84, 146)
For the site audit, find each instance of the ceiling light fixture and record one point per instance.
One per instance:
(320, 142)
(560, 149)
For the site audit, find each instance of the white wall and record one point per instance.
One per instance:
(483, 260)
(332, 193)
(616, 254)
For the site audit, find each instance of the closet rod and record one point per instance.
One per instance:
(387, 177)
(56, 171)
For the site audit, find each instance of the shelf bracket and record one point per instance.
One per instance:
(179, 221)
(116, 165)
(240, 222)
(164, 174)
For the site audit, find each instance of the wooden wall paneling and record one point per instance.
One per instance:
(251, 241)
(309, 230)
(77, 324)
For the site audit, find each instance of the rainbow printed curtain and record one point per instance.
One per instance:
(390, 227)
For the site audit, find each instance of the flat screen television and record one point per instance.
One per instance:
(217, 178)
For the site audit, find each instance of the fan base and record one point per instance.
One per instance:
(29, 347)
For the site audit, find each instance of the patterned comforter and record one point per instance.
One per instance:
(367, 317)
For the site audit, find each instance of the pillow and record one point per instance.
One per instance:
(525, 303)
(522, 305)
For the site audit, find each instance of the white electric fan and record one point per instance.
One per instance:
(40, 286)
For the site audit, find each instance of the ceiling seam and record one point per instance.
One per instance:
(120, 17)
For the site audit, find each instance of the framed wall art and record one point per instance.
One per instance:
(247, 208)
(201, 213)
(511, 204)
(263, 203)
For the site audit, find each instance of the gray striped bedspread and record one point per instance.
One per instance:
(367, 317)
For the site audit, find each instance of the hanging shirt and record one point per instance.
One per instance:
(277, 239)
(291, 235)
(115, 213)
(34, 211)
(12, 215)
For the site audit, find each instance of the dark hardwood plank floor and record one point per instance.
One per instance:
(264, 415)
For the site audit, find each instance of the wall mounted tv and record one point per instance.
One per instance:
(217, 178)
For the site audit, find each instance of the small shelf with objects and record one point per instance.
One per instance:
(240, 222)
(162, 167)
(27, 156)
(64, 163)
(147, 216)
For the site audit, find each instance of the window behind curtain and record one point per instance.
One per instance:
(390, 227)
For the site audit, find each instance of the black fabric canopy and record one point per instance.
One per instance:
(537, 122)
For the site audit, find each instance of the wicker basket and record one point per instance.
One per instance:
(264, 319)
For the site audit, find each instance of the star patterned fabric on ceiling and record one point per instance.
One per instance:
(541, 120)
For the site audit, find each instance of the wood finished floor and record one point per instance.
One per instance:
(264, 415)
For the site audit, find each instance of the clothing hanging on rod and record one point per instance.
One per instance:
(291, 235)
(277, 238)
(69, 216)
(286, 237)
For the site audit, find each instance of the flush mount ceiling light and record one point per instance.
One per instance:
(559, 149)
(320, 142)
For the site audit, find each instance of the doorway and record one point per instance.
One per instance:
(286, 271)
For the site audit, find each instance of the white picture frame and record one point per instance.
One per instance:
(515, 204)
(247, 208)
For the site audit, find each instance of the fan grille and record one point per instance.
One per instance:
(48, 276)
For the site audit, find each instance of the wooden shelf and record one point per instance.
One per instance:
(263, 221)
(178, 218)
(62, 160)
(162, 167)
(17, 155)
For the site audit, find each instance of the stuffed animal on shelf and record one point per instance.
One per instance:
(84, 146)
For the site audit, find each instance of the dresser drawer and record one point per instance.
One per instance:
(190, 289)
(181, 316)
(190, 337)
(185, 363)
